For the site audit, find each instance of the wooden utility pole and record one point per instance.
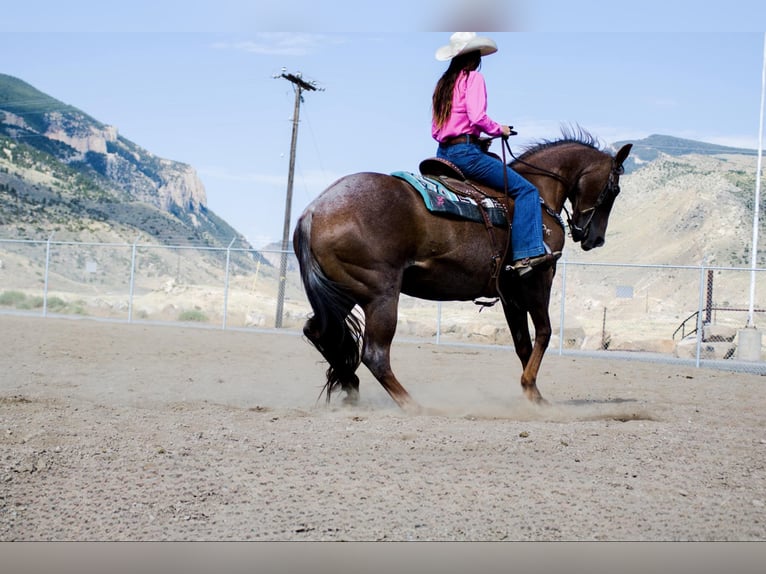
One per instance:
(300, 85)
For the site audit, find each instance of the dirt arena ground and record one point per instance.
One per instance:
(142, 432)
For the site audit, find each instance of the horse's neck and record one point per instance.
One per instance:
(552, 189)
(556, 173)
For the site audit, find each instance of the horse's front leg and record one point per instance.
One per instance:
(529, 375)
(531, 296)
(538, 293)
(517, 323)
(529, 355)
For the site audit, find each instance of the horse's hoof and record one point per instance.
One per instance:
(536, 398)
(351, 398)
(412, 408)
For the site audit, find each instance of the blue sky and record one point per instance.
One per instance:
(193, 81)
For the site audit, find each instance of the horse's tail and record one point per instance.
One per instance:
(333, 329)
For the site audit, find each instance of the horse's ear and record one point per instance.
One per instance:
(622, 155)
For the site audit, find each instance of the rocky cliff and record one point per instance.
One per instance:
(141, 175)
(59, 165)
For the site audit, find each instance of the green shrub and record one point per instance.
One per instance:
(56, 304)
(77, 309)
(12, 298)
(35, 302)
(193, 315)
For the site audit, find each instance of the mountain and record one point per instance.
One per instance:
(650, 148)
(685, 202)
(63, 171)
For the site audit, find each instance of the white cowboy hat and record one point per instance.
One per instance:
(464, 42)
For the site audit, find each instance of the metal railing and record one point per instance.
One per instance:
(597, 308)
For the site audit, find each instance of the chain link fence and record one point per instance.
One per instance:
(690, 314)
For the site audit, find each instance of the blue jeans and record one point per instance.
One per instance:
(527, 224)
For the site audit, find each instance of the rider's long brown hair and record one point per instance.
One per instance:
(441, 101)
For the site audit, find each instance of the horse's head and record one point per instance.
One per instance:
(593, 198)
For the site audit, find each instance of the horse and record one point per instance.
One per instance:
(368, 237)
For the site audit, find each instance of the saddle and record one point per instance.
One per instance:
(488, 200)
(491, 203)
(447, 192)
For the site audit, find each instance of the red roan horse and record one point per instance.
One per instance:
(369, 237)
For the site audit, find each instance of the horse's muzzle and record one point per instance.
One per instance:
(591, 243)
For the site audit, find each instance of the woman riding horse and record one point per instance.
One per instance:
(369, 238)
(459, 118)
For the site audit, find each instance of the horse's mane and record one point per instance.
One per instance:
(569, 134)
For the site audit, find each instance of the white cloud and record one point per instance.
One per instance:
(282, 43)
(664, 102)
(223, 174)
(311, 181)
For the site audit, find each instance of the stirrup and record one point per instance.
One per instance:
(524, 266)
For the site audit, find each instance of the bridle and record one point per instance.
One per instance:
(610, 191)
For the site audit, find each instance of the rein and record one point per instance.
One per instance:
(496, 261)
(540, 170)
(610, 190)
(550, 210)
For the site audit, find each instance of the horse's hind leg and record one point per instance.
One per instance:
(340, 349)
(380, 326)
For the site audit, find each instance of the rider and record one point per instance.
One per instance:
(459, 118)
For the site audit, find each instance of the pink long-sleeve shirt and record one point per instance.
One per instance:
(469, 110)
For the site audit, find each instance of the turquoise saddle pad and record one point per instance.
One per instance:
(440, 200)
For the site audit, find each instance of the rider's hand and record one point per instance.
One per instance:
(506, 131)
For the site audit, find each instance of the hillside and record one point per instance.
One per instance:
(63, 171)
(651, 148)
(683, 210)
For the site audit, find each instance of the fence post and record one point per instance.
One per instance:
(438, 322)
(132, 278)
(562, 314)
(47, 268)
(700, 306)
(226, 283)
